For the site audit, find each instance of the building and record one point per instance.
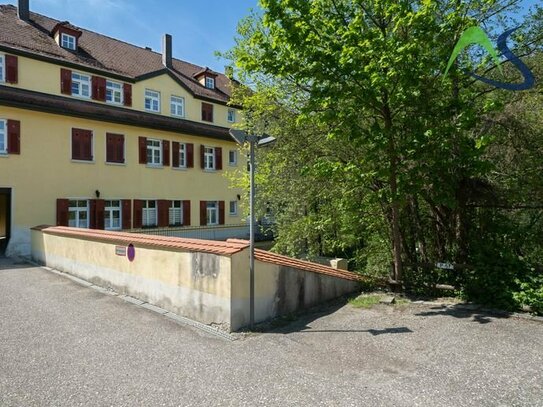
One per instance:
(98, 133)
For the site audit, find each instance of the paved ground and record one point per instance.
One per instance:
(62, 344)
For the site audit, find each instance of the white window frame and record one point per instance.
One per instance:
(177, 106)
(110, 209)
(114, 89)
(78, 210)
(66, 40)
(149, 215)
(210, 82)
(153, 97)
(212, 212)
(234, 162)
(4, 136)
(175, 212)
(182, 155)
(231, 116)
(155, 147)
(81, 80)
(235, 212)
(2, 68)
(209, 158)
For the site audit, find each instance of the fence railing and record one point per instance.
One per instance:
(217, 232)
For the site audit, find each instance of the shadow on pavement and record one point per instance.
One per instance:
(462, 311)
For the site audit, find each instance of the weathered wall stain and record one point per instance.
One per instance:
(205, 265)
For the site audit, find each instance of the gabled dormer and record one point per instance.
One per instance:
(206, 77)
(67, 35)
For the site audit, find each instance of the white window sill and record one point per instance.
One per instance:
(116, 164)
(109, 102)
(81, 97)
(233, 215)
(232, 164)
(212, 224)
(155, 166)
(177, 116)
(4, 154)
(180, 168)
(83, 161)
(210, 170)
(152, 111)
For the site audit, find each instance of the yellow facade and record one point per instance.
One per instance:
(44, 171)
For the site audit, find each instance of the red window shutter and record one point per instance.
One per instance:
(100, 214)
(14, 137)
(12, 69)
(86, 144)
(99, 88)
(127, 90)
(202, 156)
(190, 155)
(175, 154)
(143, 150)
(138, 213)
(127, 214)
(92, 214)
(62, 212)
(115, 148)
(221, 212)
(218, 158)
(186, 213)
(76, 144)
(203, 213)
(163, 213)
(207, 112)
(166, 153)
(65, 81)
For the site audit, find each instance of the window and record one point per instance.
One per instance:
(233, 208)
(182, 155)
(212, 213)
(78, 214)
(207, 112)
(177, 106)
(210, 82)
(3, 137)
(176, 213)
(81, 85)
(152, 101)
(82, 145)
(233, 158)
(209, 158)
(114, 92)
(2, 69)
(112, 215)
(149, 214)
(231, 116)
(67, 41)
(115, 148)
(154, 152)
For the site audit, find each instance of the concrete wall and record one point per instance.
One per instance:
(280, 290)
(195, 285)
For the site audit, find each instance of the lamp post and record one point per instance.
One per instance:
(242, 137)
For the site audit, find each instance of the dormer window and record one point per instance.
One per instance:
(68, 41)
(210, 82)
(67, 35)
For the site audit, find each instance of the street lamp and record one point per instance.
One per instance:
(241, 138)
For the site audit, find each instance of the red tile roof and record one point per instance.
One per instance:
(97, 51)
(141, 240)
(269, 257)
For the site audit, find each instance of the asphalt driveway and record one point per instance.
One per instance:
(62, 344)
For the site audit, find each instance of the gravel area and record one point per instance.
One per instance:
(63, 344)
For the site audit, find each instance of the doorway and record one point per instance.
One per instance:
(5, 219)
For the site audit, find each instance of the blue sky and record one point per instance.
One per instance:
(198, 28)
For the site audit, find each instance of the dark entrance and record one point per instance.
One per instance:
(5, 219)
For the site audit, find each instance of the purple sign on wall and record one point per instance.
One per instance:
(131, 252)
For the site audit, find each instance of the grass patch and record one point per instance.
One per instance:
(365, 301)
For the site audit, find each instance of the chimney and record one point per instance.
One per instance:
(167, 51)
(23, 10)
